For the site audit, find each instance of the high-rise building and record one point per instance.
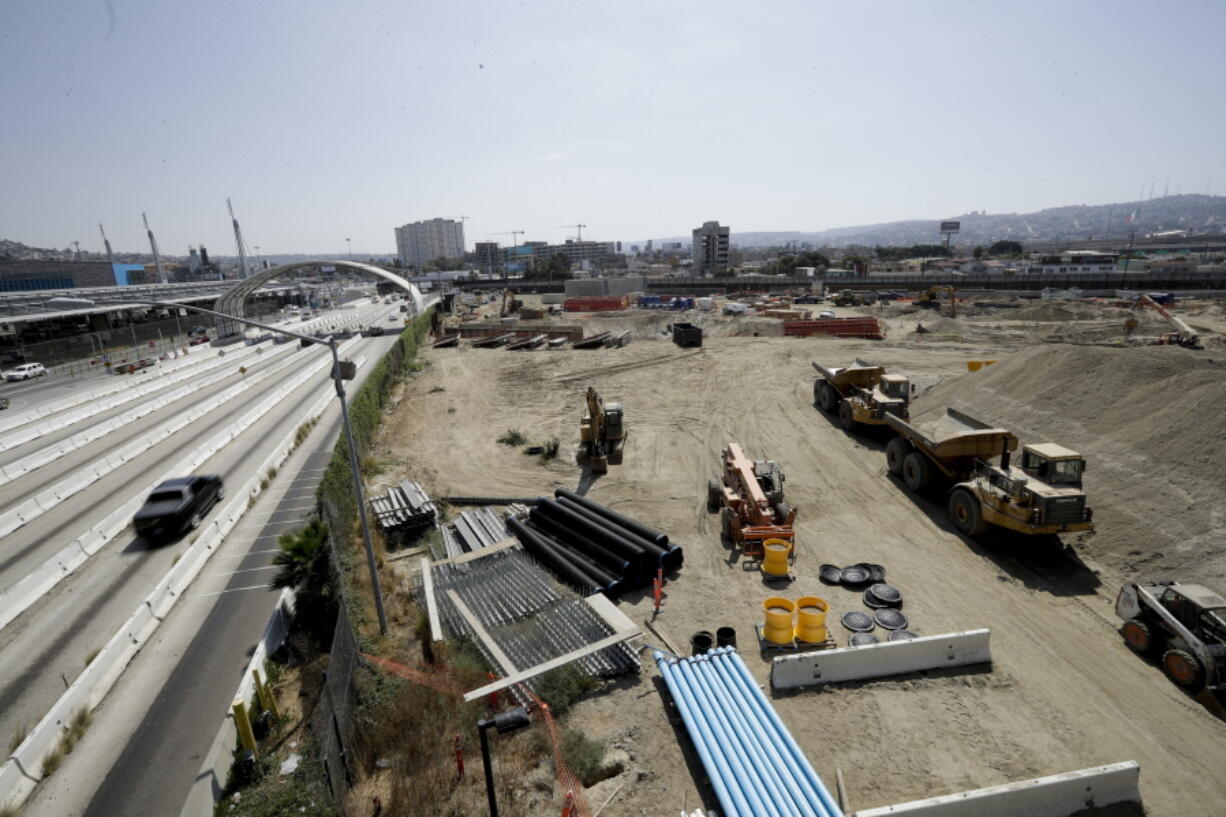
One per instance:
(424, 241)
(710, 249)
(489, 257)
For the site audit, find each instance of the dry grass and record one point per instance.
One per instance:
(19, 736)
(53, 759)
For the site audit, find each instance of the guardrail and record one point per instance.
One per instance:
(22, 772)
(18, 598)
(149, 387)
(880, 660)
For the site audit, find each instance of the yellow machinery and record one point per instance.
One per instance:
(602, 433)
(861, 393)
(1043, 496)
(931, 299)
(1182, 334)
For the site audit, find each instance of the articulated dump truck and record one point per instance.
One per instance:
(860, 393)
(1043, 496)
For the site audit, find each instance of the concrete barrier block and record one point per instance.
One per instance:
(1058, 795)
(880, 660)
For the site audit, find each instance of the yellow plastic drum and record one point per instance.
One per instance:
(775, 553)
(779, 614)
(811, 622)
(974, 365)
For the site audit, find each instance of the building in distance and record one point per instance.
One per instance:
(422, 241)
(710, 249)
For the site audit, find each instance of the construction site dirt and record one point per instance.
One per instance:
(1063, 691)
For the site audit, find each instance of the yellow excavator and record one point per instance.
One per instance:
(602, 433)
(931, 299)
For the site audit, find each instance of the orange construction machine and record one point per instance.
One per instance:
(749, 499)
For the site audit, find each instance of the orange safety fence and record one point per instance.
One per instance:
(441, 680)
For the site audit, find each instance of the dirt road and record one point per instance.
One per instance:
(1063, 693)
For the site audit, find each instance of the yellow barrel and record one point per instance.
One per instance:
(974, 365)
(779, 614)
(811, 622)
(775, 553)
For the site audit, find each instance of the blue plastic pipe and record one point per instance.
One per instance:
(731, 800)
(778, 799)
(771, 718)
(747, 779)
(802, 791)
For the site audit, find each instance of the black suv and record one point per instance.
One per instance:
(177, 506)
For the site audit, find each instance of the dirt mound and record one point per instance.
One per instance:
(1055, 311)
(1148, 421)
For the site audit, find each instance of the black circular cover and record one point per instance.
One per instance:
(872, 601)
(876, 573)
(831, 574)
(890, 619)
(857, 622)
(902, 635)
(854, 576)
(886, 594)
(861, 639)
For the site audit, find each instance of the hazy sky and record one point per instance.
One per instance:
(327, 120)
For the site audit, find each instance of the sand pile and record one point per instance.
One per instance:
(1149, 422)
(1055, 311)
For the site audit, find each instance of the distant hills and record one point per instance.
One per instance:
(1080, 222)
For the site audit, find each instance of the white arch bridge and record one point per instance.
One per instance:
(231, 302)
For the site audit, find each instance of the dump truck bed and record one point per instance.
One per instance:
(858, 374)
(955, 435)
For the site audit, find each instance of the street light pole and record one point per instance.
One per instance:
(353, 455)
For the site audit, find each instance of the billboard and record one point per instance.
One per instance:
(951, 226)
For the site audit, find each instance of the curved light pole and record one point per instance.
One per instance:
(353, 453)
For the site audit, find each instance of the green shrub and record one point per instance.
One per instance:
(550, 449)
(561, 687)
(583, 755)
(513, 438)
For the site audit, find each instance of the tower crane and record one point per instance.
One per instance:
(578, 230)
(153, 244)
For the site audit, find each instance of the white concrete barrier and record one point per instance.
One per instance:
(1058, 795)
(879, 660)
(22, 772)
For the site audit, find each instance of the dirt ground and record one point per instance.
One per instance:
(1063, 692)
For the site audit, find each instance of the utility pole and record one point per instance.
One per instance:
(349, 248)
(77, 244)
(153, 244)
(110, 256)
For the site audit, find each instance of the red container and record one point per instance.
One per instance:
(596, 303)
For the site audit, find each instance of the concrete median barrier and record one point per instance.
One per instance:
(881, 660)
(1058, 795)
(22, 772)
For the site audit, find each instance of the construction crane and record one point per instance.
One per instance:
(157, 258)
(110, 256)
(1183, 335)
(238, 240)
(577, 227)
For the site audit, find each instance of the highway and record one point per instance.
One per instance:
(48, 644)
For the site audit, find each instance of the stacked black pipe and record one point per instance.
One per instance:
(592, 548)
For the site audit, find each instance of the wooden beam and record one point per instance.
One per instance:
(561, 660)
(427, 583)
(484, 637)
(510, 541)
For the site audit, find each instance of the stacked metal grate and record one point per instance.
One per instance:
(528, 616)
(476, 529)
(406, 508)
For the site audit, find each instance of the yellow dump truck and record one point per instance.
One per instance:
(861, 393)
(956, 453)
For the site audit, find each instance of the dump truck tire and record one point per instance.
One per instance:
(818, 386)
(725, 525)
(715, 495)
(916, 472)
(1139, 636)
(847, 418)
(1183, 668)
(966, 513)
(895, 452)
(829, 398)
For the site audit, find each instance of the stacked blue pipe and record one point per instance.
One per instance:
(753, 762)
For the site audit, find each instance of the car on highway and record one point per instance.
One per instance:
(25, 371)
(134, 365)
(199, 339)
(178, 506)
(372, 331)
(825, 313)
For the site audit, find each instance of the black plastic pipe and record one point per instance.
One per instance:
(648, 533)
(667, 557)
(618, 565)
(612, 584)
(568, 571)
(602, 535)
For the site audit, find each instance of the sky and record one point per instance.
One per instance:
(332, 120)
